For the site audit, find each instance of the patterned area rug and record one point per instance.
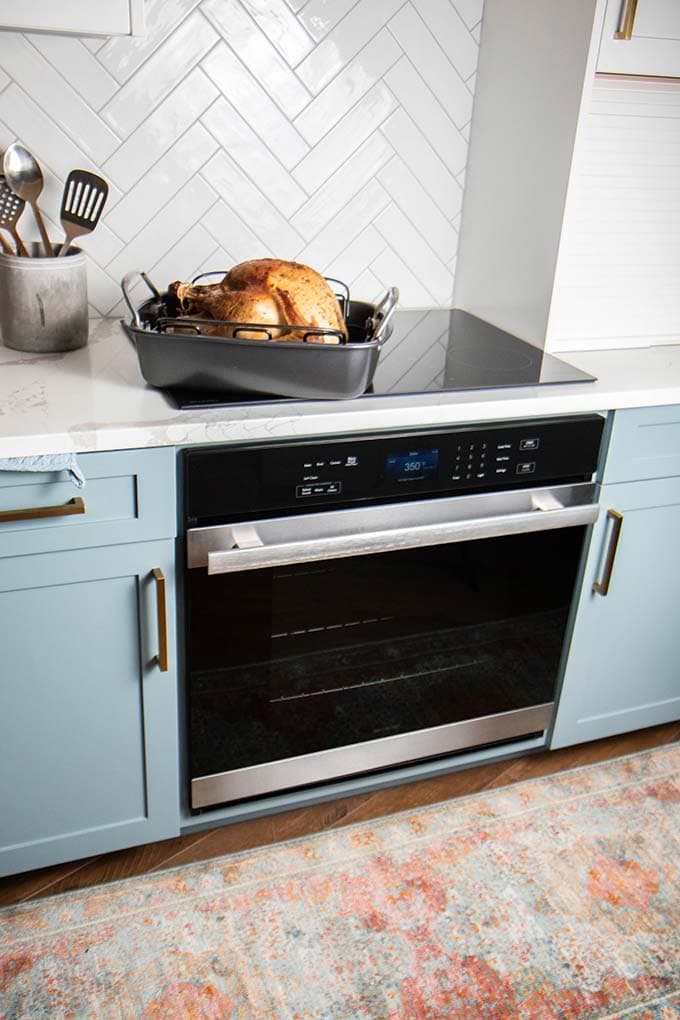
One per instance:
(553, 898)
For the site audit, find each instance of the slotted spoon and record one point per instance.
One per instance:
(84, 197)
(11, 208)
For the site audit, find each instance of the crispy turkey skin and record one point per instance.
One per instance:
(270, 292)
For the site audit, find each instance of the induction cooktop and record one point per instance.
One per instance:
(435, 350)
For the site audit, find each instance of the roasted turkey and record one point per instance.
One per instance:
(270, 292)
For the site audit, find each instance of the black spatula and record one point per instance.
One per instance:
(84, 197)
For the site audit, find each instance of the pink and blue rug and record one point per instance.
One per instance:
(552, 899)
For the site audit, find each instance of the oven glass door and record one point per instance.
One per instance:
(293, 662)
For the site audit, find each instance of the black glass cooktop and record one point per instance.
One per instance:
(433, 351)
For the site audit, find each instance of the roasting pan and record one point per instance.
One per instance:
(174, 353)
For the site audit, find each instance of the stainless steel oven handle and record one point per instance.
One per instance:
(356, 532)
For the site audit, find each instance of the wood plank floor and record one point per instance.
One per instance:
(244, 835)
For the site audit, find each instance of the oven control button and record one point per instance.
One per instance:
(322, 489)
(526, 468)
(504, 446)
(501, 471)
(529, 444)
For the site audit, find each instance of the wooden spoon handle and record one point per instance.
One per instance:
(43, 232)
(5, 246)
(21, 247)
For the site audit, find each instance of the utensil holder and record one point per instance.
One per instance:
(43, 301)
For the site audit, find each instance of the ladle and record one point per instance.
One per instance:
(25, 178)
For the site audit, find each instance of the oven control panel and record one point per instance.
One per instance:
(228, 482)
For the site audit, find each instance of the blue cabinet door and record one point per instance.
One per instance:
(623, 666)
(88, 721)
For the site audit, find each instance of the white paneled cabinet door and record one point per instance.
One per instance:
(641, 37)
(98, 17)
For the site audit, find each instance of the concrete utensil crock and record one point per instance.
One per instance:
(43, 301)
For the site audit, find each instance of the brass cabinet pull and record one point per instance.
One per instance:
(37, 513)
(602, 587)
(162, 657)
(627, 20)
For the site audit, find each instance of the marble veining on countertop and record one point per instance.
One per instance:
(95, 398)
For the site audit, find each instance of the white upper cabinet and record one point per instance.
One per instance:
(73, 17)
(641, 37)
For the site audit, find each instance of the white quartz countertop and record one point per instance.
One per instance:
(96, 399)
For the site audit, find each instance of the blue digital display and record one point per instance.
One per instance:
(412, 466)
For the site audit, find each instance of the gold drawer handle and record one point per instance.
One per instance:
(628, 12)
(602, 587)
(162, 657)
(38, 513)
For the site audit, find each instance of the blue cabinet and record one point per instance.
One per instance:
(88, 679)
(623, 667)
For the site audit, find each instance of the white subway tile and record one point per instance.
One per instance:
(252, 155)
(157, 78)
(343, 228)
(423, 107)
(345, 138)
(341, 186)
(409, 142)
(401, 235)
(281, 27)
(355, 259)
(421, 210)
(103, 293)
(238, 191)
(7, 136)
(366, 287)
(348, 87)
(28, 122)
(232, 234)
(56, 97)
(157, 134)
(218, 261)
(123, 55)
(433, 63)
(87, 76)
(320, 16)
(257, 53)
(469, 10)
(103, 245)
(332, 131)
(157, 187)
(181, 261)
(94, 44)
(446, 24)
(164, 231)
(355, 30)
(392, 271)
(241, 88)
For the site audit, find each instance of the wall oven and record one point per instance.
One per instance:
(361, 602)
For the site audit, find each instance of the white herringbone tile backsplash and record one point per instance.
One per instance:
(333, 132)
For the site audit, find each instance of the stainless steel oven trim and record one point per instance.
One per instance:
(367, 756)
(363, 530)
